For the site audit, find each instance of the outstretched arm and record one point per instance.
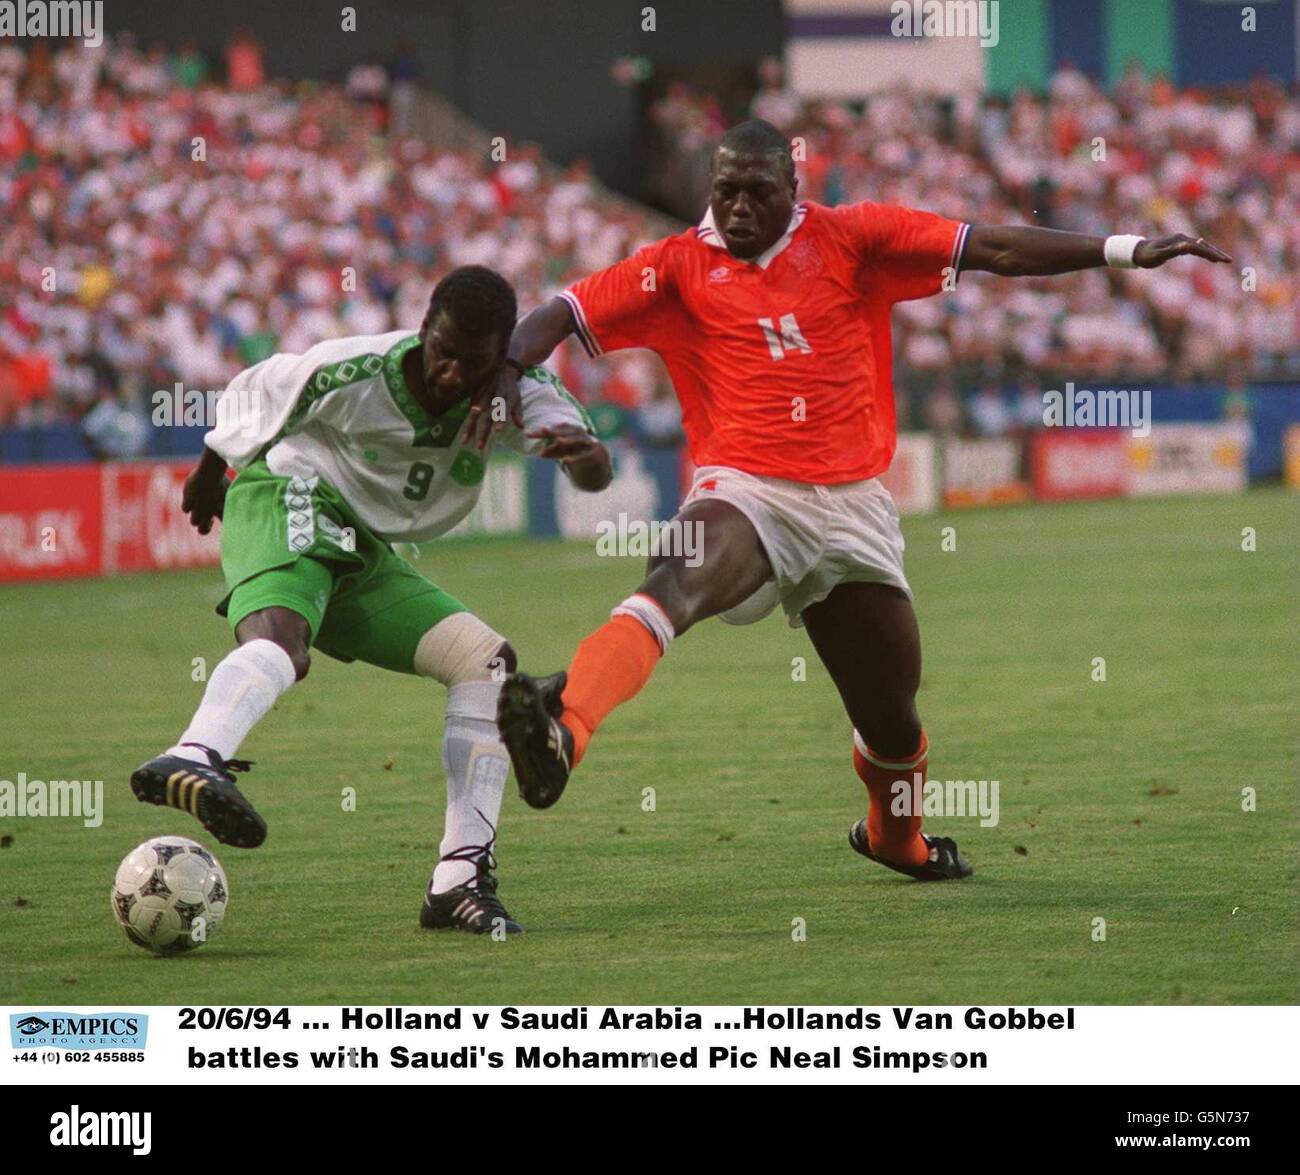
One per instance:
(540, 331)
(1020, 251)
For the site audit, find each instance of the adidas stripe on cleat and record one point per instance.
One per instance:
(540, 745)
(473, 907)
(206, 792)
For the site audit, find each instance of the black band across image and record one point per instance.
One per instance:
(991, 1121)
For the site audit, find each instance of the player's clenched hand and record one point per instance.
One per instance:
(204, 498)
(496, 404)
(1155, 251)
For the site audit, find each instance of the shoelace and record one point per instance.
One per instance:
(484, 883)
(228, 766)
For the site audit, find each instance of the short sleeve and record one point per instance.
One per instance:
(906, 253)
(627, 305)
(258, 405)
(545, 403)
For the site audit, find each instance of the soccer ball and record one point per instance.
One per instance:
(169, 895)
(757, 607)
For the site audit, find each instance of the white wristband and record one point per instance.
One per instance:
(1119, 250)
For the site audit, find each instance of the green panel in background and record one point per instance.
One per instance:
(1022, 55)
(1139, 28)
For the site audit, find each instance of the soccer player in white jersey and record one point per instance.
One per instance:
(358, 443)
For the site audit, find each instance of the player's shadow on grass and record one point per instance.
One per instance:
(203, 957)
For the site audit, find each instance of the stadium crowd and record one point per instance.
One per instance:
(1144, 158)
(168, 219)
(160, 227)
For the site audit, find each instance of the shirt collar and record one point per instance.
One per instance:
(707, 232)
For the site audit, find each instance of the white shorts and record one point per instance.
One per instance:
(816, 536)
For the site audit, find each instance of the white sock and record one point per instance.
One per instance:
(476, 764)
(241, 690)
(650, 613)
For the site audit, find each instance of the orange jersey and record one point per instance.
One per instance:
(782, 364)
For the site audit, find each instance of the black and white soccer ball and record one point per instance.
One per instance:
(170, 895)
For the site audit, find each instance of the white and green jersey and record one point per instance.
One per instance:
(342, 412)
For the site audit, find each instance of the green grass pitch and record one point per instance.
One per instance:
(1120, 799)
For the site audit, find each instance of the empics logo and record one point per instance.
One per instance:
(78, 1127)
(78, 1030)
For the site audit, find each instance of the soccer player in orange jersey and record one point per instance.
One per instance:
(772, 317)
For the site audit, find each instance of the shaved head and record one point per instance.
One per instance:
(756, 139)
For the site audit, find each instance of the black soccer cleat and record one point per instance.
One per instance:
(945, 864)
(207, 793)
(540, 745)
(473, 906)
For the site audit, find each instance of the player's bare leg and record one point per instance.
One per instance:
(546, 723)
(867, 637)
(196, 775)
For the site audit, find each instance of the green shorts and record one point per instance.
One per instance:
(293, 542)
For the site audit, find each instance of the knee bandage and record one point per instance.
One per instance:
(460, 649)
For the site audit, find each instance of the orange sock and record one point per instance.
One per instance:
(610, 667)
(895, 837)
